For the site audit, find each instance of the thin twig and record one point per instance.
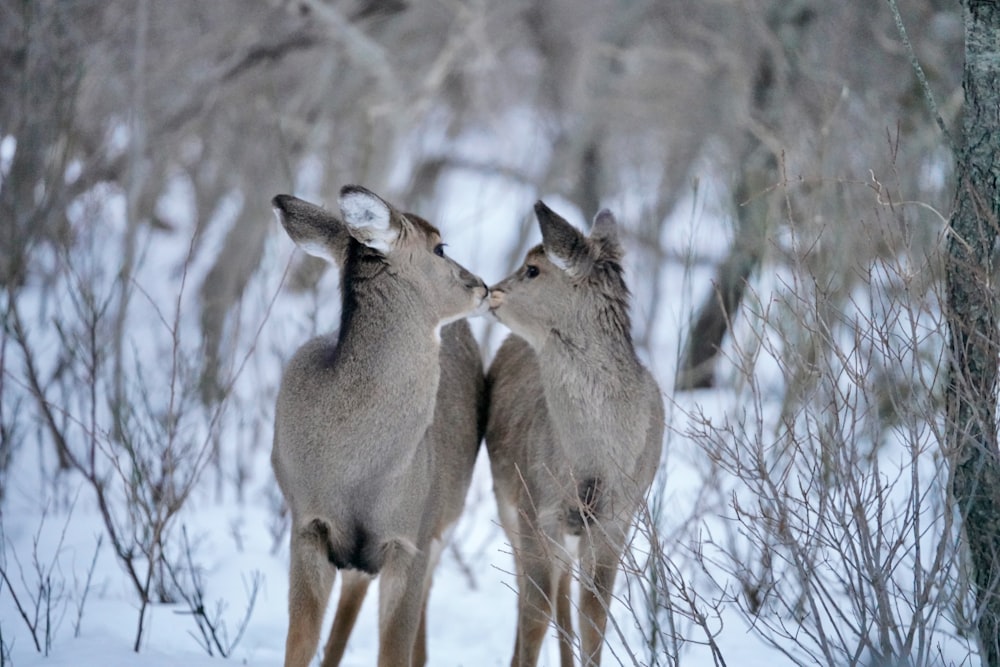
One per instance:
(86, 586)
(921, 77)
(32, 627)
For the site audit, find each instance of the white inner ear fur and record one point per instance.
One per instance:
(314, 248)
(368, 217)
(559, 261)
(317, 249)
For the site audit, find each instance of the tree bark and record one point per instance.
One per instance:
(972, 321)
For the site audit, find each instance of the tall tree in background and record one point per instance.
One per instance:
(826, 98)
(972, 395)
(758, 171)
(624, 100)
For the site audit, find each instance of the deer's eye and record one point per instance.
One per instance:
(531, 271)
(439, 249)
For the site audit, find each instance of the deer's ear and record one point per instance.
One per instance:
(563, 243)
(313, 229)
(604, 235)
(368, 217)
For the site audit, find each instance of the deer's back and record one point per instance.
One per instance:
(339, 424)
(519, 436)
(459, 419)
(327, 441)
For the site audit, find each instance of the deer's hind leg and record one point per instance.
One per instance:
(354, 587)
(564, 617)
(537, 588)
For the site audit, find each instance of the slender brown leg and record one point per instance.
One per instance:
(401, 587)
(534, 613)
(420, 647)
(310, 580)
(536, 590)
(596, 587)
(354, 586)
(564, 619)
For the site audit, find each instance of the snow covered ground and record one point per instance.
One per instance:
(471, 613)
(471, 608)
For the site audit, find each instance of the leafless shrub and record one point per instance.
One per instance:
(662, 594)
(34, 599)
(189, 582)
(807, 500)
(39, 589)
(830, 537)
(280, 519)
(131, 424)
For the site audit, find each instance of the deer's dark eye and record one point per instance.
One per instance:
(531, 271)
(439, 250)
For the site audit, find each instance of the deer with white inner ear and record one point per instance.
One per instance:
(574, 432)
(377, 425)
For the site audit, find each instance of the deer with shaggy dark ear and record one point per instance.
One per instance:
(574, 432)
(377, 425)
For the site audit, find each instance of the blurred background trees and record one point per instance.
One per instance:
(628, 102)
(737, 141)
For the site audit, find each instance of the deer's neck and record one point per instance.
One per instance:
(388, 330)
(588, 371)
(387, 358)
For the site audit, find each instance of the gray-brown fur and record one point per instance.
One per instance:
(574, 431)
(377, 425)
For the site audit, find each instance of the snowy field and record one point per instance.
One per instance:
(51, 533)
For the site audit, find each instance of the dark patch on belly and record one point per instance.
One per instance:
(358, 552)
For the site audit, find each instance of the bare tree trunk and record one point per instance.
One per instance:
(40, 85)
(972, 321)
(136, 181)
(758, 167)
(697, 368)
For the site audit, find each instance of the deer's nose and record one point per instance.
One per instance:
(477, 283)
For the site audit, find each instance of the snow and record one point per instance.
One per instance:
(471, 613)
